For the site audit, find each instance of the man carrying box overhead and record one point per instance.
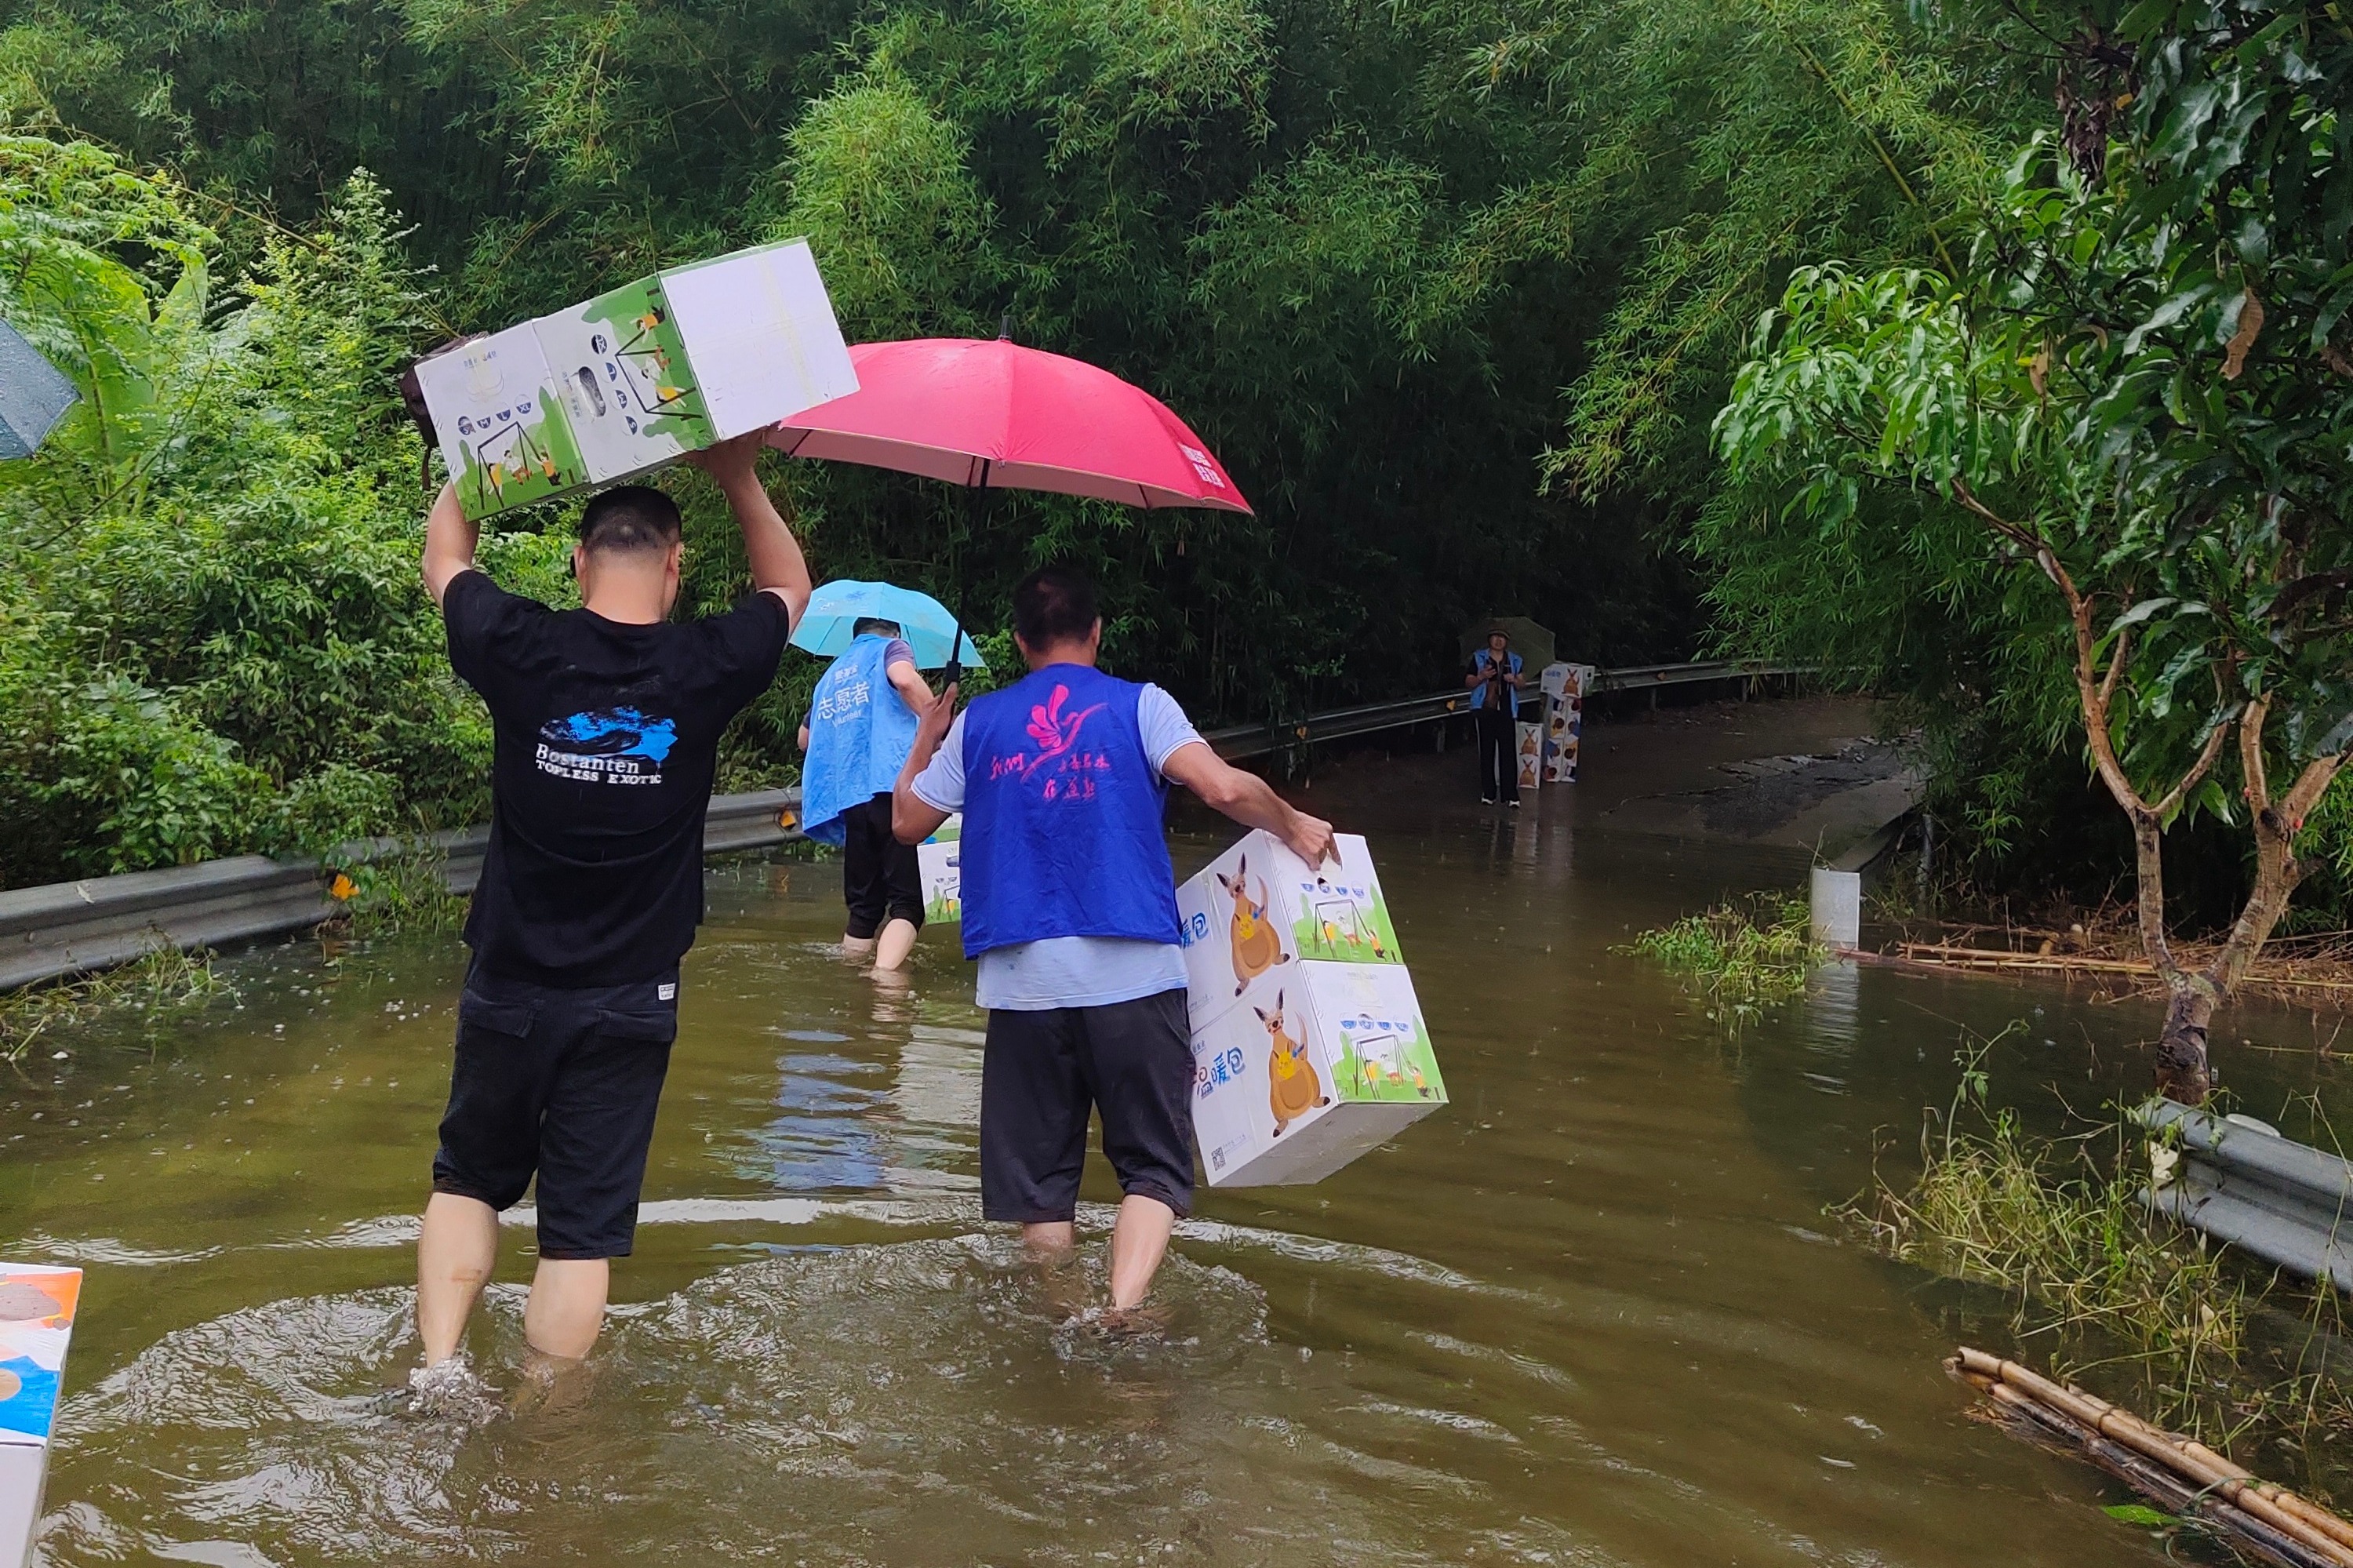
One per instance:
(607, 722)
(1069, 905)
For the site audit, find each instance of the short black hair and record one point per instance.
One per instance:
(632, 518)
(866, 623)
(1054, 604)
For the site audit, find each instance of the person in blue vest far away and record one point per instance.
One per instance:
(1493, 679)
(1069, 904)
(861, 725)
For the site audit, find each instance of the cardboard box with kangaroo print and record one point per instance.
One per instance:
(1309, 1046)
(1259, 907)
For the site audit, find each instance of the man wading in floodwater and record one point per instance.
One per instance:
(861, 721)
(607, 721)
(1070, 905)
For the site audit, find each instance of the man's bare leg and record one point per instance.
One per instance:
(898, 939)
(1138, 1241)
(1051, 1242)
(455, 1250)
(857, 946)
(567, 1306)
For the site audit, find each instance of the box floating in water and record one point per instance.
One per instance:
(636, 378)
(1309, 1046)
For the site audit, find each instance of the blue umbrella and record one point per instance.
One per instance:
(32, 393)
(826, 626)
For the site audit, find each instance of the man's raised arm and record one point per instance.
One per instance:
(777, 564)
(449, 541)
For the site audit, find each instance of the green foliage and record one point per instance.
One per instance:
(2134, 390)
(881, 177)
(215, 639)
(1744, 958)
(2108, 1291)
(1336, 241)
(162, 985)
(406, 891)
(2062, 1233)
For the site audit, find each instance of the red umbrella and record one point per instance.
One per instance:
(996, 416)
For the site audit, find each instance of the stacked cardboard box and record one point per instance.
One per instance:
(1564, 688)
(636, 378)
(940, 860)
(1528, 755)
(1309, 1046)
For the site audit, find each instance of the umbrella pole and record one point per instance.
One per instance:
(954, 672)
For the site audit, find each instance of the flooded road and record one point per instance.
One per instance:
(1589, 1313)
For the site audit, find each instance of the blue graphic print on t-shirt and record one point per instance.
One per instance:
(614, 746)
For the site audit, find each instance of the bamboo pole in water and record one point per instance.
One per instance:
(2192, 1477)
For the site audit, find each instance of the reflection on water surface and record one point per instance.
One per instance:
(1588, 1314)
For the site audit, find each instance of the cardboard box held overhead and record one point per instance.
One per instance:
(636, 377)
(1309, 1046)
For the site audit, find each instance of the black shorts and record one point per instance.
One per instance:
(881, 879)
(563, 1084)
(1040, 1074)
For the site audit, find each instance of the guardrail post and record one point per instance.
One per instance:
(1836, 906)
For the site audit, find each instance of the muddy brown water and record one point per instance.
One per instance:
(1590, 1313)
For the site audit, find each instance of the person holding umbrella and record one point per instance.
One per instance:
(861, 723)
(1069, 905)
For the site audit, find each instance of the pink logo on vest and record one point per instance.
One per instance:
(1056, 733)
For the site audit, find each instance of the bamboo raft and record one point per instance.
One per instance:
(2178, 1474)
(1942, 956)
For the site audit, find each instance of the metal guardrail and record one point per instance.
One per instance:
(71, 928)
(74, 927)
(2242, 1183)
(1237, 741)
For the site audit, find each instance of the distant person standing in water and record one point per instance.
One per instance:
(1494, 680)
(860, 726)
(607, 722)
(1069, 904)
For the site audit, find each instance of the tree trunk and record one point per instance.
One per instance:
(2182, 1070)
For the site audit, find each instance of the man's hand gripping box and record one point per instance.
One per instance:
(1309, 1046)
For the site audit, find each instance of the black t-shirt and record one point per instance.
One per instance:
(607, 737)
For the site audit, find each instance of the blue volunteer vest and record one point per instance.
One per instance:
(1062, 815)
(860, 735)
(1481, 662)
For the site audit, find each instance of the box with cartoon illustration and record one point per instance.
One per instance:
(636, 377)
(1309, 1046)
(36, 1314)
(1565, 689)
(1258, 906)
(939, 859)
